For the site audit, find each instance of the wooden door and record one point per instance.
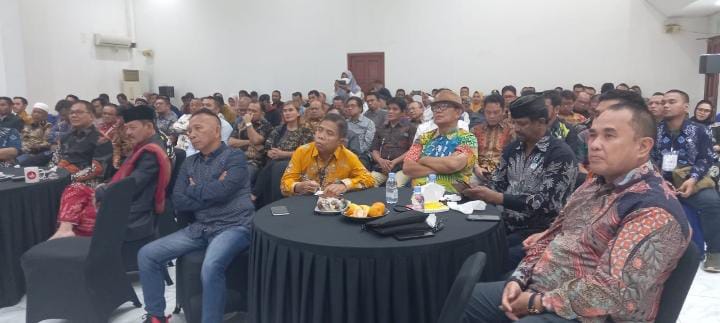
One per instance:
(367, 68)
(711, 80)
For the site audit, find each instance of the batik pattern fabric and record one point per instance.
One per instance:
(343, 167)
(573, 119)
(10, 138)
(34, 138)
(693, 144)
(491, 142)
(434, 144)
(288, 140)
(609, 252)
(535, 186)
(77, 208)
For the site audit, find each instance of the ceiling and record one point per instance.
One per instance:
(686, 8)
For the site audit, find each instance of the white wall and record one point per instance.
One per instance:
(221, 45)
(12, 66)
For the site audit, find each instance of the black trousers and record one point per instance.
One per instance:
(484, 303)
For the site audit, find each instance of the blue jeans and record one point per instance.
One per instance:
(706, 203)
(221, 250)
(483, 307)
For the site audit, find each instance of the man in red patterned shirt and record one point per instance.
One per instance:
(492, 136)
(607, 255)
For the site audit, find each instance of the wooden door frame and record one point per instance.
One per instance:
(711, 80)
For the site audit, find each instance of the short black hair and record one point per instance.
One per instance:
(276, 91)
(607, 87)
(398, 90)
(297, 94)
(24, 100)
(568, 95)
(338, 98)
(88, 106)
(401, 103)
(527, 90)
(8, 100)
(164, 98)
(190, 95)
(207, 111)
(554, 98)
(72, 96)
(62, 105)
(314, 92)
(494, 98)
(104, 96)
(377, 96)
(102, 100)
(243, 93)
(626, 97)
(357, 100)
(683, 94)
(215, 99)
(509, 88)
(121, 95)
(253, 94)
(219, 98)
(658, 93)
(339, 122)
(264, 98)
(577, 85)
(465, 87)
(642, 120)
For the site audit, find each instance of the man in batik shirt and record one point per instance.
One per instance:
(448, 152)
(608, 254)
(535, 177)
(492, 136)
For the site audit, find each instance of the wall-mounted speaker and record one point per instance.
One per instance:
(168, 91)
(709, 63)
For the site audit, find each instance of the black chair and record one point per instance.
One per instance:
(677, 285)
(189, 287)
(82, 278)
(462, 288)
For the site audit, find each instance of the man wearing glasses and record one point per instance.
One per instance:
(448, 151)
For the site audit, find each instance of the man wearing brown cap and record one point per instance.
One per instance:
(448, 152)
(535, 177)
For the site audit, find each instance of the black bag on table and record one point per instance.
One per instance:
(406, 222)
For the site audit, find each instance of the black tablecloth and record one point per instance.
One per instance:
(27, 217)
(315, 268)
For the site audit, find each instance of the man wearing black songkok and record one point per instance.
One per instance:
(535, 177)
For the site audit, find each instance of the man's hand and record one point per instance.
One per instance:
(273, 153)
(687, 188)
(483, 193)
(510, 294)
(519, 307)
(385, 165)
(335, 189)
(480, 172)
(307, 187)
(247, 117)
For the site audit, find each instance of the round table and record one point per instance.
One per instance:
(318, 268)
(27, 217)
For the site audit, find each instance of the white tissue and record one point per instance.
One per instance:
(433, 192)
(431, 220)
(468, 207)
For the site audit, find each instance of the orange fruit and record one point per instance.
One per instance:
(377, 209)
(351, 209)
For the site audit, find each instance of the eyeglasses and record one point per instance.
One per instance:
(441, 107)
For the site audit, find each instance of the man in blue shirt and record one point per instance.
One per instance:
(214, 186)
(683, 151)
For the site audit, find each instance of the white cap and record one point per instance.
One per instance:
(41, 106)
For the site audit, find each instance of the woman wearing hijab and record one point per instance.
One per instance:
(347, 86)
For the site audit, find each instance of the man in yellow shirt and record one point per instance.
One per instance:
(325, 164)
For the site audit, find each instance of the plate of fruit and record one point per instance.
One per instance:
(331, 205)
(365, 213)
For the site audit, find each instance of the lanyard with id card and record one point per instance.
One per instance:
(670, 161)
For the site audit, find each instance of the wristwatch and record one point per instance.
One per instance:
(531, 304)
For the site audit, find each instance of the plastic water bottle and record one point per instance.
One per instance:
(391, 191)
(432, 178)
(418, 201)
